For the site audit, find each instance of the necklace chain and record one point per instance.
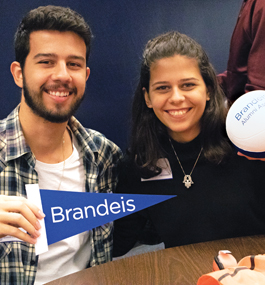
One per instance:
(187, 177)
(63, 165)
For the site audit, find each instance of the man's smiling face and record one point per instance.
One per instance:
(55, 74)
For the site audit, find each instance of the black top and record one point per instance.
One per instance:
(226, 200)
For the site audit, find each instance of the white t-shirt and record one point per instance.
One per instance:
(72, 254)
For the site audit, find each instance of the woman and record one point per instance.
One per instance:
(179, 147)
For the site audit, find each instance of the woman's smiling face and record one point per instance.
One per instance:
(177, 95)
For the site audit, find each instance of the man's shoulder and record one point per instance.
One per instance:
(9, 125)
(2, 143)
(94, 141)
(99, 138)
(95, 134)
(3, 125)
(9, 120)
(102, 144)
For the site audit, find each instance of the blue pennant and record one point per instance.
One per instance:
(70, 213)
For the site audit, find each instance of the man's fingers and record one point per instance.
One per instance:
(18, 212)
(37, 212)
(15, 232)
(23, 211)
(18, 221)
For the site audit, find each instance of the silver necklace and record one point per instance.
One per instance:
(187, 177)
(63, 166)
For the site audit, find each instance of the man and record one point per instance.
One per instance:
(41, 142)
(245, 68)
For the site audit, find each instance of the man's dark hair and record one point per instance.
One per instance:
(49, 17)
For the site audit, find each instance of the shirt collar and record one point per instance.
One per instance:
(16, 145)
(84, 139)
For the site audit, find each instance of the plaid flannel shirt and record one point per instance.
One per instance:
(18, 263)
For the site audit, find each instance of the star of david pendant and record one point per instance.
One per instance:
(187, 181)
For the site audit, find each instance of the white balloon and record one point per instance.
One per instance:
(245, 123)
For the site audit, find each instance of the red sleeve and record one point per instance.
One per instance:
(256, 58)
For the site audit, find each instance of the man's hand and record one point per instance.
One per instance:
(18, 212)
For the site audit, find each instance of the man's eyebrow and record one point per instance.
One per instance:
(44, 55)
(54, 55)
(76, 57)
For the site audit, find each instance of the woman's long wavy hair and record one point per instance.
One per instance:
(147, 131)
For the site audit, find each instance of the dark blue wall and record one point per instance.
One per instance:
(121, 28)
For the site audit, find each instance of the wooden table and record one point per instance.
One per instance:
(181, 265)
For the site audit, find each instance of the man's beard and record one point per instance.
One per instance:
(35, 102)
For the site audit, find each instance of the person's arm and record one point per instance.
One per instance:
(250, 158)
(256, 58)
(18, 212)
(245, 70)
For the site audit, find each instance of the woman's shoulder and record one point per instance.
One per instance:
(128, 167)
(127, 161)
